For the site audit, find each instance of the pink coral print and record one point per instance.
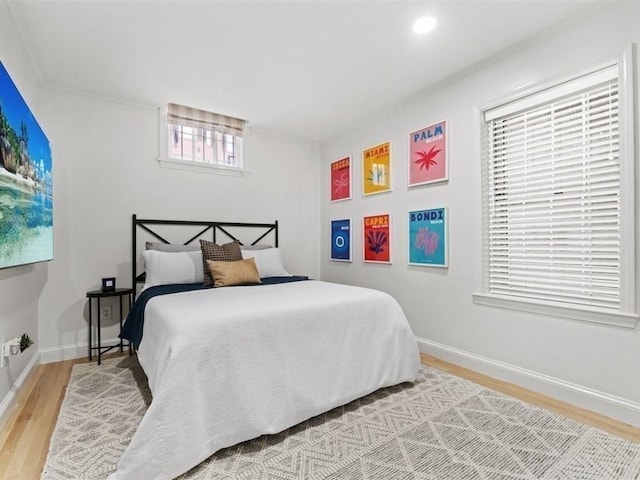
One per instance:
(427, 241)
(340, 184)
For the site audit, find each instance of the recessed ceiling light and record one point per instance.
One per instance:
(424, 25)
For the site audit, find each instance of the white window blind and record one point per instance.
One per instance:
(554, 194)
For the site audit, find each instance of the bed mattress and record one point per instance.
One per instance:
(226, 365)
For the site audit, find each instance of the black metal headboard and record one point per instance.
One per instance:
(153, 229)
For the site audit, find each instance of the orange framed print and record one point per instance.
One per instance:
(341, 179)
(376, 238)
(428, 162)
(376, 169)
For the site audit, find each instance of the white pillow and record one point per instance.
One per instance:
(268, 262)
(257, 246)
(171, 247)
(163, 268)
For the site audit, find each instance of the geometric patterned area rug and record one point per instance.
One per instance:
(440, 427)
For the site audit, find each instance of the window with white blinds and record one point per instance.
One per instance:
(553, 196)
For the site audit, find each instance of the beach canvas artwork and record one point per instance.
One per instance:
(26, 190)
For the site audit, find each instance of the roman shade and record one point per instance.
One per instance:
(193, 117)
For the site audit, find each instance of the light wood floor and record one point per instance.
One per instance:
(24, 440)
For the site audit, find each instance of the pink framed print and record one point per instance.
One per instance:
(428, 155)
(341, 179)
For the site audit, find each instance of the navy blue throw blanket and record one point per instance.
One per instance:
(134, 323)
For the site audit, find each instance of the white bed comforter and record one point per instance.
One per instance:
(229, 364)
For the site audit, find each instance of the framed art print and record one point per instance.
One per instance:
(428, 162)
(341, 179)
(341, 240)
(376, 169)
(376, 238)
(108, 284)
(428, 237)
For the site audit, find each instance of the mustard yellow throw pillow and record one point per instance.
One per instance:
(240, 272)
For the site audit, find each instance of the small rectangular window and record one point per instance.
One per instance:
(204, 137)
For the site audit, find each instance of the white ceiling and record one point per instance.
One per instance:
(304, 68)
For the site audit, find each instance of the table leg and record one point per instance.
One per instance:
(99, 350)
(120, 323)
(90, 354)
(129, 302)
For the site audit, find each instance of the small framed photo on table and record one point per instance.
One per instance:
(108, 284)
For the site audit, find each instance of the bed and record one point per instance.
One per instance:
(226, 365)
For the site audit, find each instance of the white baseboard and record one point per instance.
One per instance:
(621, 409)
(70, 352)
(8, 400)
(44, 355)
(618, 408)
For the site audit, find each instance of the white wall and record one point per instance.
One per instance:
(105, 157)
(591, 365)
(19, 286)
(105, 169)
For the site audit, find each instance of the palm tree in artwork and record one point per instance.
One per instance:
(427, 159)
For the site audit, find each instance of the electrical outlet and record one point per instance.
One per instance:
(105, 312)
(4, 355)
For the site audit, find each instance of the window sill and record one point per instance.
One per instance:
(202, 167)
(593, 315)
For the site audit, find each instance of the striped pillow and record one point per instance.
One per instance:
(229, 252)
